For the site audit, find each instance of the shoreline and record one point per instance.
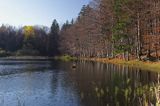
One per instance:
(25, 58)
(149, 66)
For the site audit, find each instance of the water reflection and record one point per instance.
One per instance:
(54, 83)
(110, 85)
(34, 85)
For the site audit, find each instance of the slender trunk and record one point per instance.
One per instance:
(127, 56)
(138, 38)
(124, 55)
(156, 52)
(113, 44)
(156, 33)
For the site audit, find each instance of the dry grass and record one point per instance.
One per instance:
(151, 66)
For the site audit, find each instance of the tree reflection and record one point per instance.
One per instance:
(112, 85)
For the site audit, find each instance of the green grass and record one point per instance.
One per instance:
(65, 58)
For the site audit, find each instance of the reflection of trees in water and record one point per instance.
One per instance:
(63, 88)
(107, 84)
(56, 77)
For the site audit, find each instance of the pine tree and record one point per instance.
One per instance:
(120, 31)
(53, 39)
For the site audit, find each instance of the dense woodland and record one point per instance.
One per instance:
(125, 29)
(29, 40)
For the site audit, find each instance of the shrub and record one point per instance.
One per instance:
(4, 53)
(25, 52)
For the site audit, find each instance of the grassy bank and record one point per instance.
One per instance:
(152, 66)
(65, 58)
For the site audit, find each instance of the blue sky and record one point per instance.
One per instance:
(38, 12)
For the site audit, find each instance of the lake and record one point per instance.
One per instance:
(55, 83)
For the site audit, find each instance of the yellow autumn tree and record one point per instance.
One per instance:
(28, 32)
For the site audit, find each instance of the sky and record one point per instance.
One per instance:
(38, 12)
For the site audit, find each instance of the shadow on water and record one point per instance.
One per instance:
(55, 83)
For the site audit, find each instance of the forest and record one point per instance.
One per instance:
(124, 29)
(29, 40)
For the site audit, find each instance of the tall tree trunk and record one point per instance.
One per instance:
(139, 52)
(113, 44)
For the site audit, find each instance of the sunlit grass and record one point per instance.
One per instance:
(65, 58)
(152, 66)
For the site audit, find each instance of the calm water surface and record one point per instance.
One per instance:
(54, 83)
